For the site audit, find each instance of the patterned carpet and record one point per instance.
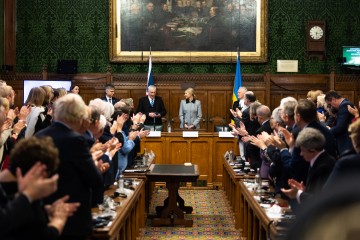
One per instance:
(212, 217)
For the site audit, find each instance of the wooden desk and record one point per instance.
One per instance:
(232, 190)
(206, 151)
(129, 218)
(173, 174)
(140, 173)
(249, 215)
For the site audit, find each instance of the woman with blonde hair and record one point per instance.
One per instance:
(49, 95)
(58, 93)
(35, 100)
(190, 111)
(313, 94)
(47, 104)
(5, 105)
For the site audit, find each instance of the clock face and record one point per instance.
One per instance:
(316, 32)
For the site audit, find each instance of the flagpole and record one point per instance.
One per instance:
(150, 80)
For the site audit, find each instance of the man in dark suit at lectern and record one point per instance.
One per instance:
(109, 94)
(154, 109)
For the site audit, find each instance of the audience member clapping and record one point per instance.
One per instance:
(22, 209)
(78, 176)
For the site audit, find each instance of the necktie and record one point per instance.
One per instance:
(152, 102)
(109, 100)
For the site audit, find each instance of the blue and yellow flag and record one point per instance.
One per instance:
(237, 80)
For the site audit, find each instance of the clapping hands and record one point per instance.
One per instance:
(295, 186)
(36, 184)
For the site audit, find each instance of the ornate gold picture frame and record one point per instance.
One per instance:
(188, 30)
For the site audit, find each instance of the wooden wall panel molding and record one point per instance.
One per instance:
(13, 78)
(207, 81)
(349, 95)
(347, 78)
(17, 83)
(91, 85)
(348, 83)
(301, 82)
(268, 88)
(10, 33)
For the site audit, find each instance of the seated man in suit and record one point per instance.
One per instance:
(154, 109)
(109, 94)
(311, 142)
(79, 175)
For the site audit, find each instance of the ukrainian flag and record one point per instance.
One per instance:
(237, 80)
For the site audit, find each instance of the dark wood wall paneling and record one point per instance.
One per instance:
(9, 57)
(213, 90)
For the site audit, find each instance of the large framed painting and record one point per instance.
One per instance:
(188, 30)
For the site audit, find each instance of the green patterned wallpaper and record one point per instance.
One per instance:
(78, 29)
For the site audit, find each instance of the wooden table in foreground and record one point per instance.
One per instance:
(129, 217)
(250, 216)
(206, 151)
(140, 173)
(232, 190)
(171, 213)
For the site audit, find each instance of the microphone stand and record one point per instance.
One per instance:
(154, 124)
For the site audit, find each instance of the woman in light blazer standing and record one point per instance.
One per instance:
(190, 111)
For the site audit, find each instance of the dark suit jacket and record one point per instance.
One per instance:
(234, 107)
(113, 100)
(20, 218)
(78, 177)
(296, 165)
(345, 168)
(246, 117)
(330, 146)
(340, 130)
(145, 107)
(250, 125)
(265, 127)
(318, 175)
(252, 151)
(108, 176)
(277, 171)
(106, 136)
